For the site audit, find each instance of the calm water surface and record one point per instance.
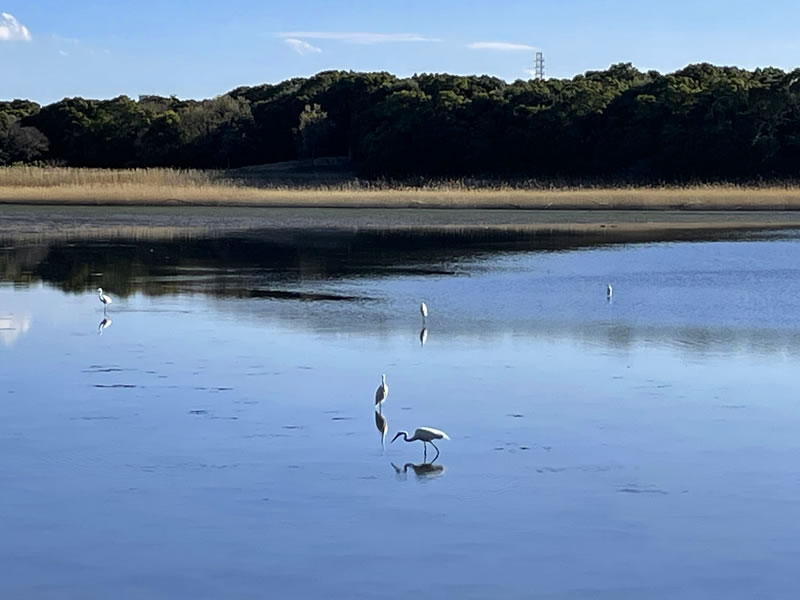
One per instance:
(217, 439)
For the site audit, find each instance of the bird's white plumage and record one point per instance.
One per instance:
(104, 298)
(423, 309)
(382, 391)
(609, 290)
(426, 434)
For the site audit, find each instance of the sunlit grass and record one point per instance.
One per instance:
(164, 187)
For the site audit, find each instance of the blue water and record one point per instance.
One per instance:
(218, 439)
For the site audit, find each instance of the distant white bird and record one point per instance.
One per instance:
(426, 435)
(609, 291)
(423, 336)
(381, 392)
(104, 298)
(383, 426)
(423, 310)
(106, 322)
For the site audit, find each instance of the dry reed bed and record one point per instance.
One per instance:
(167, 187)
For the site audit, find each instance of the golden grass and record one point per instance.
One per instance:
(167, 187)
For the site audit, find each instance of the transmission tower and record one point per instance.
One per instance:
(538, 68)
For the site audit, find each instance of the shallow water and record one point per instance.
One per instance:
(218, 439)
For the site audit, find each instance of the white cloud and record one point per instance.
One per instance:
(301, 47)
(358, 37)
(501, 46)
(12, 30)
(63, 53)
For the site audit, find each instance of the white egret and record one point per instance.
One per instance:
(609, 291)
(106, 322)
(381, 392)
(383, 426)
(423, 336)
(104, 298)
(426, 435)
(423, 310)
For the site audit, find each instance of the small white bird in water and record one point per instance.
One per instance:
(426, 435)
(381, 392)
(609, 291)
(104, 298)
(423, 310)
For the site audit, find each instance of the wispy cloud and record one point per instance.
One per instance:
(63, 53)
(501, 46)
(302, 47)
(12, 30)
(356, 37)
(65, 40)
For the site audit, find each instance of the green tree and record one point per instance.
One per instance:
(312, 130)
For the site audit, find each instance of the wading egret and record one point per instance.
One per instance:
(423, 310)
(381, 392)
(426, 435)
(104, 298)
(423, 336)
(609, 291)
(383, 426)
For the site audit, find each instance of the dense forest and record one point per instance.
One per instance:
(702, 121)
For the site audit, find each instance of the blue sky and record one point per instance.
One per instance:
(50, 49)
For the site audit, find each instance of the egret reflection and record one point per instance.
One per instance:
(425, 470)
(383, 426)
(104, 324)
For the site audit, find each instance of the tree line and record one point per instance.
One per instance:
(702, 121)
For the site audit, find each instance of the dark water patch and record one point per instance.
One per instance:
(116, 385)
(129, 266)
(635, 490)
(341, 418)
(198, 412)
(515, 415)
(293, 427)
(202, 388)
(94, 418)
(104, 369)
(302, 296)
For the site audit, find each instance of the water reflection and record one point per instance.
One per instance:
(204, 263)
(422, 471)
(105, 323)
(383, 426)
(12, 327)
